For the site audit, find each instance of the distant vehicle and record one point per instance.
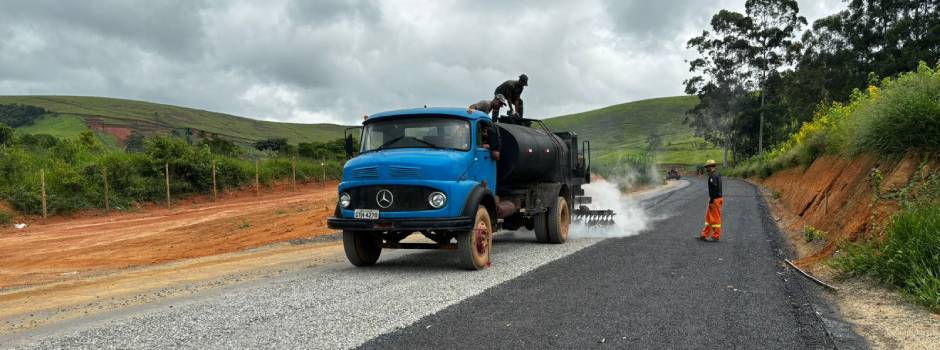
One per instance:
(431, 170)
(673, 174)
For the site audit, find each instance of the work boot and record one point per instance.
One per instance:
(716, 239)
(702, 238)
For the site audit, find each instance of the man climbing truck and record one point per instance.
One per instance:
(431, 171)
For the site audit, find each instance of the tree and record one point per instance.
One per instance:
(278, 144)
(221, 146)
(134, 142)
(17, 115)
(842, 51)
(89, 140)
(6, 135)
(721, 78)
(771, 32)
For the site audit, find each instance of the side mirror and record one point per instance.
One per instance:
(349, 147)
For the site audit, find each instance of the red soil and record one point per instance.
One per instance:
(835, 195)
(53, 251)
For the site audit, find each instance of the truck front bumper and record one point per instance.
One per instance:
(448, 224)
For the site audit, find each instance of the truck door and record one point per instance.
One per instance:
(485, 166)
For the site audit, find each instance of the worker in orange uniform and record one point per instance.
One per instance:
(713, 215)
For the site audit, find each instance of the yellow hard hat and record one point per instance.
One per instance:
(711, 162)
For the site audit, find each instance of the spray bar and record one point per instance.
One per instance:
(593, 217)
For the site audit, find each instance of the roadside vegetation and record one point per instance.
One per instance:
(864, 80)
(891, 118)
(74, 169)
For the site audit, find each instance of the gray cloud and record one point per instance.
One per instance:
(332, 61)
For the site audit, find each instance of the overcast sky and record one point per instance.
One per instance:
(333, 61)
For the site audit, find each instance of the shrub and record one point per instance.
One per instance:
(812, 234)
(905, 114)
(901, 115)
(909, 257)
(74, 172)
(4, 218)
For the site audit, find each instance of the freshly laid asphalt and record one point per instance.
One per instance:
(660, 289)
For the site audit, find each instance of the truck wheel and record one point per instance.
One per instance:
(541, 227)
(559, 217)
(362, 248)
(474, 246)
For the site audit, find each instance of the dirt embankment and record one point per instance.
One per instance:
(68, 248)
(835, 195)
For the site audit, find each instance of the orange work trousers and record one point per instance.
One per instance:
(713, 219)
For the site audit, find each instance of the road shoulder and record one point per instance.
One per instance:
(861, 306)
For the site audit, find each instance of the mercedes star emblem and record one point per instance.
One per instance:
(384, 198)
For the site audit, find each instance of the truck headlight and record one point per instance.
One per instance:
(437, 199)
(344, 200)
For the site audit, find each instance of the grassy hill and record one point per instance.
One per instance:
(624, 130)
(118, 117)
(615, 132)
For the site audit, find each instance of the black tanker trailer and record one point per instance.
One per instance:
(540, 174)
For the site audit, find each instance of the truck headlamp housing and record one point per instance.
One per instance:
(344, 200)
(437, 200)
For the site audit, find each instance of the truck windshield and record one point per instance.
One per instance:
(432, 132)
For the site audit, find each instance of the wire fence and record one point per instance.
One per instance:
(174, 184)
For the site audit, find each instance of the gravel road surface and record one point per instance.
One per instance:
(660, 289)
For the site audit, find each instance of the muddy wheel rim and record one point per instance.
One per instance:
(564, 219)
(481, 241)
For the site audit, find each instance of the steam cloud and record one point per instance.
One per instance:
(630, 218)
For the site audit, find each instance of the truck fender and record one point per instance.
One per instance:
(480, 195)
(546, 193)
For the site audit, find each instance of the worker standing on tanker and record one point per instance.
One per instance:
(715, 200)
(512, 90)
(489, 107)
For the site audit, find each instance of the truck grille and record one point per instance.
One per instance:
(405, 172)
(365, 173)
(406, 198)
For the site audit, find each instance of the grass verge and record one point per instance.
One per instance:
(908, 258)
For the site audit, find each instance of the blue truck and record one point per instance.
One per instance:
(438, 172)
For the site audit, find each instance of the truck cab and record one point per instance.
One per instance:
(426, 170)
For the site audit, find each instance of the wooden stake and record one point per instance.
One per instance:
(167, 172)
(293, 174)
(215, 194)
(107, 202)
(257, 182)
(42, 186)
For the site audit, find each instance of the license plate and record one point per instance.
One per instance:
(368, 214)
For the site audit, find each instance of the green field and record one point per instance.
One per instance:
(153, 116)
(624, 129)
(63, 125)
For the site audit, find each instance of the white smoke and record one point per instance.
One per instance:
(630, 218)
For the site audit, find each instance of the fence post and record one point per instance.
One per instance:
(107, 202)
(293, 174)
(42, 186)
(323, 169)
(166, 171)
(257, 182)
(215, 193)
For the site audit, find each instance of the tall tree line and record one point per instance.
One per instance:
(759, 75)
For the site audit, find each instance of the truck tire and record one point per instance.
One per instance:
(559, 218)
(362, 248)
(475, 245)
(541, 227)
